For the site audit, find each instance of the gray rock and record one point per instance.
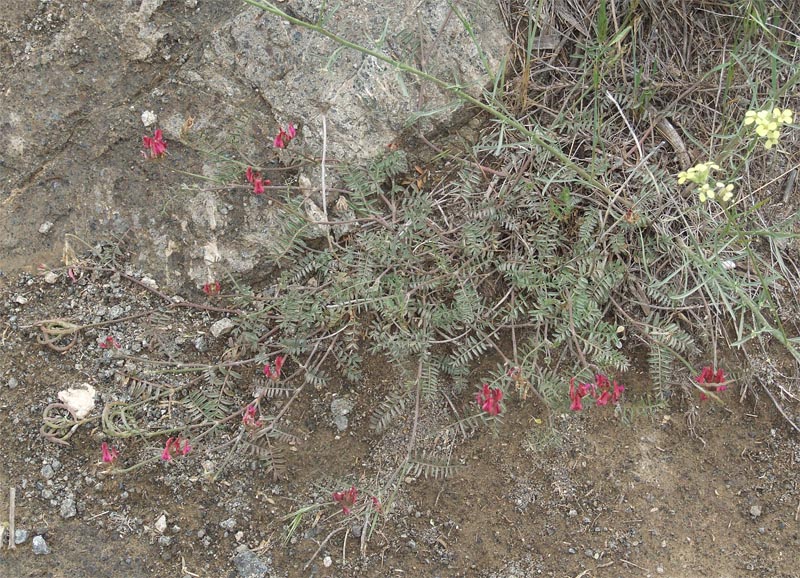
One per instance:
(68, 509)
(228, 524)
(12, 383)
(40, 547)
(248, 565)
(340, 407)
(222, 327)
(47, 471)
(20, 536)
(755, 511)
(371, 100)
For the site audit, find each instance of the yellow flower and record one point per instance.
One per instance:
(785, 116)
(725, 192)
(768, 123)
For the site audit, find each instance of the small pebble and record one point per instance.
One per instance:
(50, 277)
(327, 561)
(222, 327)
(68, 509)
(12, 383)
(20, 536)
(228, 524)
(161, 524)
(755, 511)
(47, 471)
(149, 118)
(45, 227)
(40, 547)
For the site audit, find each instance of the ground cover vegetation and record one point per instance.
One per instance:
(628, 203)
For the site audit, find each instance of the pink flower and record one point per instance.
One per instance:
(109, 343)
(212, 288)
(602, 390)
(284, 137)
(249, 417)
(346, 499)
(577, 393)
(605, 391)
(274, 372)
(109, 454)
(376, 503)
(174, 445)
(489, 399)
(256, 180)
(156, 145)
(711, 381)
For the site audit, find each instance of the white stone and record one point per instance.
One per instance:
(50, 277)
(161, 524)
(149, 118)
(221, 327)
(79, 400)
(45, 227)
(327, 561)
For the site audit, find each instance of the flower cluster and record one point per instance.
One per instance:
(155, 146)
(711, 381)
(212, 288)
(174, 445)
(489, 399)
(768, 123)
(273, 372)
(109, 454)
(708, 188)
(602, 390)
(249, 417)
(284, 137)
(256, 180)
(348, 498)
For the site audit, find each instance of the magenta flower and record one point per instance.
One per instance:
(284, 137)
(711, 381)
(602, 390)
(346, 499)
(256, 180)
(174, 445)
(489, 399)
(273, 372)
(249, 417)
(109, 342)
(109, 454)
(155, 146)
(576, 394)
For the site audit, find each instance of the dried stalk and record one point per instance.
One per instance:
(12, 496)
